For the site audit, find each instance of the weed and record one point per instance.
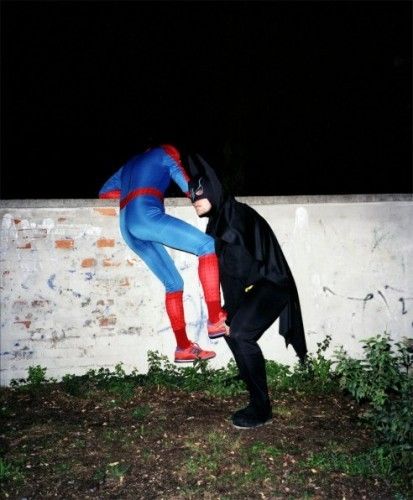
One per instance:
(78, 443)
(124, 390)
(278, 375)
(282, 412)
(372, 463)
(5, 412)
(62, 468)
(373, 377)
(110, 435)
(117, 470)
(35, 380)
(382, 380)
(257, 458)
(74, 385)
(99, 474)
(260, 449)
(257, 472)
(114, 470)
(9, 471)
(141, 412)
(207, 456)
(120, 436)
(37, 375)
(147, 455)
(315, 375)
(218, 382)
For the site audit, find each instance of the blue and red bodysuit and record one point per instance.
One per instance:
(141, 184)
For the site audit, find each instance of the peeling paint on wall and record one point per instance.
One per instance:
(74, 296)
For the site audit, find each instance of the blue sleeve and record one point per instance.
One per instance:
(177, 173)
(112, 187)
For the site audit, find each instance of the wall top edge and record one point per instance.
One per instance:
(251, 200)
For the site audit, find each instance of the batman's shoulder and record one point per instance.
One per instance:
(243, 209)
(247, 213)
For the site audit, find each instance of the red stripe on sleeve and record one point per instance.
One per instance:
(115, 193)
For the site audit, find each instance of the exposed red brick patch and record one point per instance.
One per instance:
(109, 262)
(61, 219)
(105, 242)
(17, 221)
(25, 323)
(111, 211)
(106, 321)
(25, 246)
(68, 244)
(90, 262)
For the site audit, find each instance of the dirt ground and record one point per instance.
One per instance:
(165, 443)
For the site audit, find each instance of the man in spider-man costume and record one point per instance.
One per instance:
(140, 184)
(257, 285)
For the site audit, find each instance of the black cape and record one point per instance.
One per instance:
(247, 246)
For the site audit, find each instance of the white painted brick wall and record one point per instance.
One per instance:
(75, 297)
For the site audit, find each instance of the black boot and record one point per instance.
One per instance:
(251, 417)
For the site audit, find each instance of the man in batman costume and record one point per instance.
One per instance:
(257, 285)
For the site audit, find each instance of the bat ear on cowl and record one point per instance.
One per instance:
(194, 167)
(209, 172)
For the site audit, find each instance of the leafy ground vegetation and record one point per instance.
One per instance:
(342, 429)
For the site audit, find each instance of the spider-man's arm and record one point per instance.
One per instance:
(112, 187)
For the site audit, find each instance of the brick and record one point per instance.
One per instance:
(90, 262)
(108, 211)
(110, 262)
(105, 242)
(67, 244)
(106, 321)
(25, 246)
